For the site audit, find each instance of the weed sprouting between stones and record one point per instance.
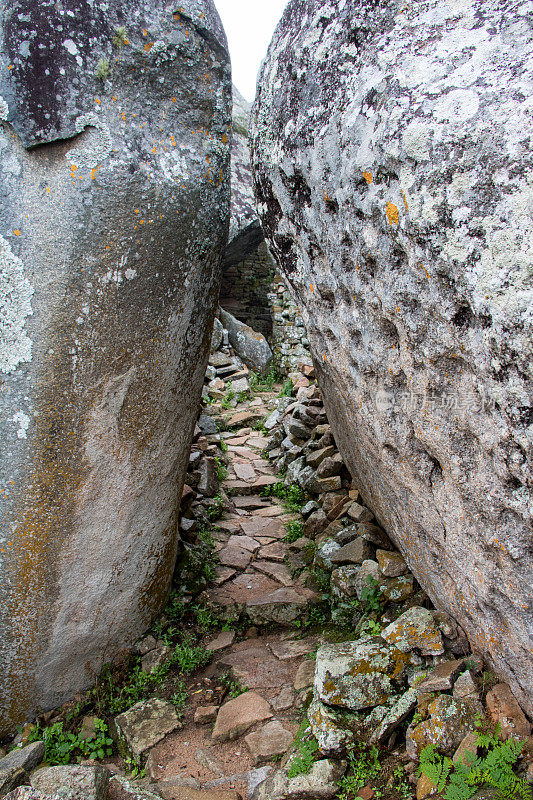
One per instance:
(294, 498)
(306, 748)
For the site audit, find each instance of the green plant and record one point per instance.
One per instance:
(294, 498)
(363, 768)
(260, 426)
(242, 397)
(370, 628)
(223, 446)
(133, 768)
(187, 657)
(120, 38)
(494, 768)
(371, 595)
(233, 685)
(287, 389)
(222, 470)
(265, 383)
(179, 698)
(215, 508)
(306, 748)
(102, 69)
(294, 531)
(65, 747)
(401, 785)
(228, 397)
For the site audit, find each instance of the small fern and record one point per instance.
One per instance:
(460, 781)
(435, 768)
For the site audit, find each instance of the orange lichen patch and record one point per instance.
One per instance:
(148, 46)
(312, 288)
(97, 101)
(93, 173)
(405, 201)
(224, 138)
(367, 176)
(48, 190)
(73, 169)
(145, 32)
(392, 213)
(16, 232)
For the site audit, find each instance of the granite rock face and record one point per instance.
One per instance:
(390, 149)
(112, 231)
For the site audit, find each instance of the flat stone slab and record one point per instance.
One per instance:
(239, 714)
(145, 724)
(256, 667)
(235, 556)
(270, 511)
(305, 677)
(223, 574)
(288, 649)
(262, 526)
(223, 640)
(268, 742)
(250, 503)
(242, 589)
(276, 571)
(245, 542)
(283, 606)
(244, 472)
(273, 552)
(188, 793)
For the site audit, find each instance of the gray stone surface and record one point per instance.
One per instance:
(144, 725)
(72, 782)
(320, 783)
(391, 148)
(15, 766)
(111, 236)
(358, 675)
(250, 345)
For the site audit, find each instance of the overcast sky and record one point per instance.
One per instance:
(249, 27)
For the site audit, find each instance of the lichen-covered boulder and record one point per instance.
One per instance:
(115, 146)
(448, 723)
(415, 629)
(391, 145)
(334, 729)
(358, 675)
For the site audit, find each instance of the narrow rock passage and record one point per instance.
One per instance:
(271, 673)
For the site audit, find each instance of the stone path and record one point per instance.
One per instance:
(233, 745)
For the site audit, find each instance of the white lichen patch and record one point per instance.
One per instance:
(23, 421)
(90, 152)
(4, 109)
(15, 306)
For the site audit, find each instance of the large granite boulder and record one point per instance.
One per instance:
(115, 146)
(245, 233)
(393, 176)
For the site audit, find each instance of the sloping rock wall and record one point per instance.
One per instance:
(390, 148)
(115, 145)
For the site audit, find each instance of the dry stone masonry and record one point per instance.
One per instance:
(115, 145)
(391, 145)
(403, 678)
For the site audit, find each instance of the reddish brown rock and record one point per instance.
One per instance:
(239, 714)
(505, 711)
